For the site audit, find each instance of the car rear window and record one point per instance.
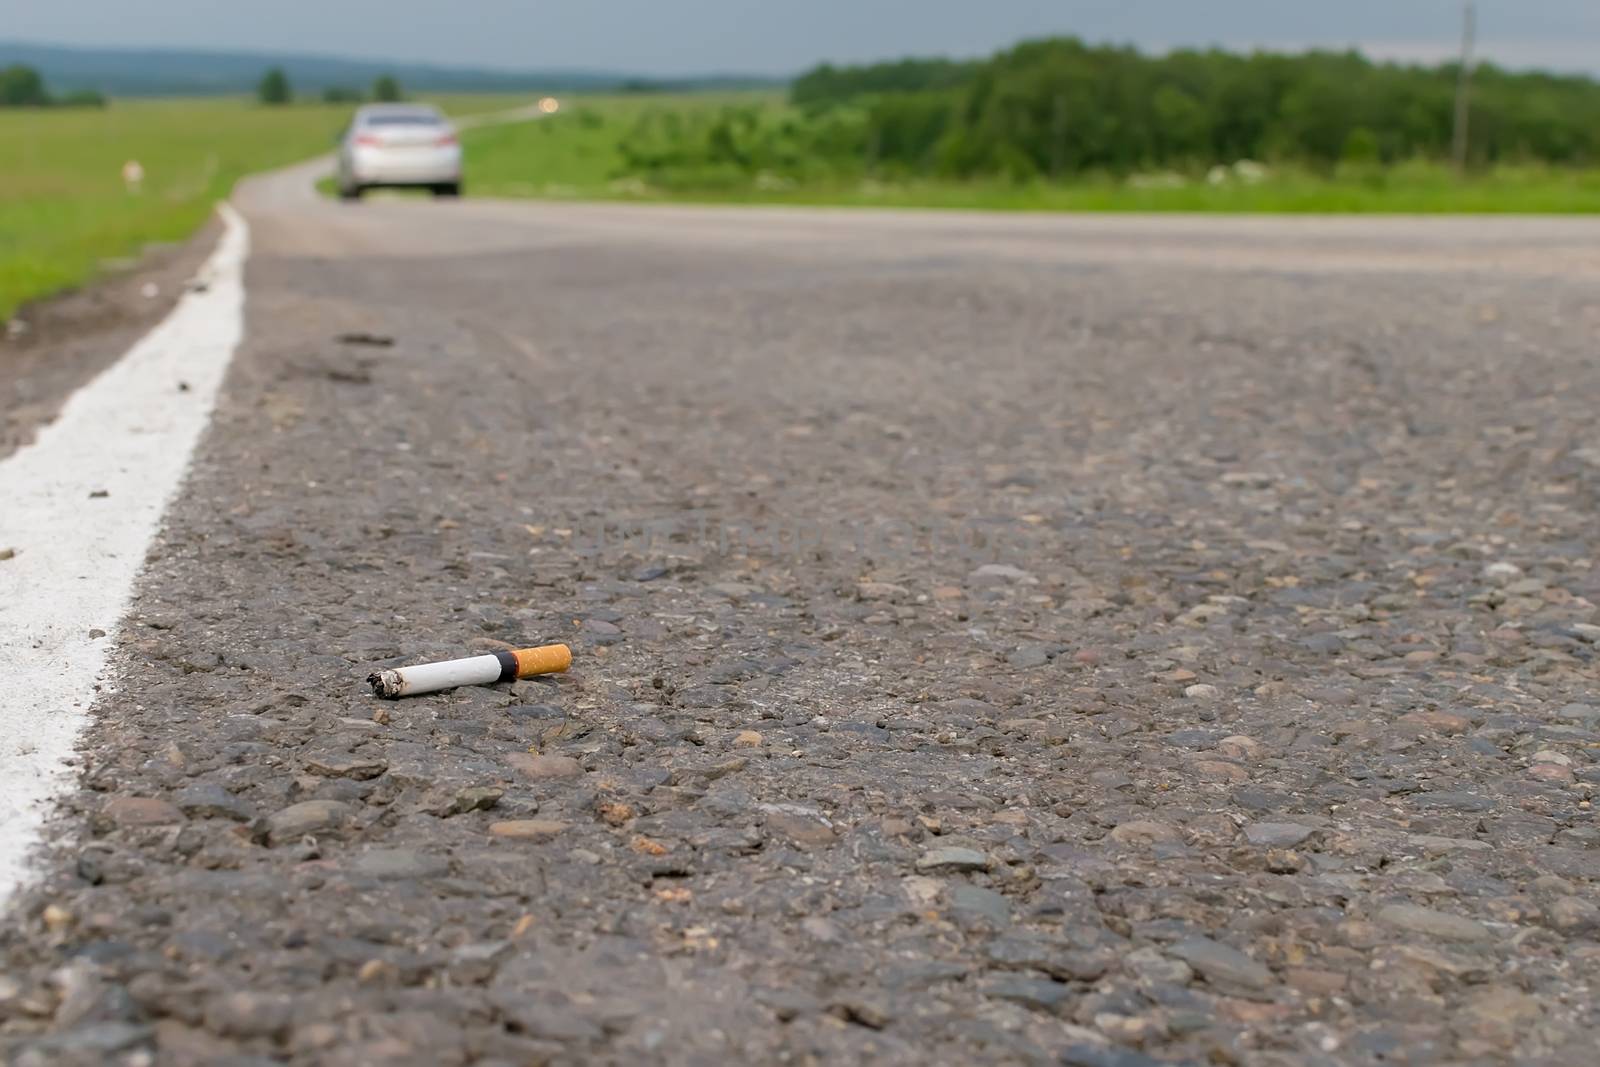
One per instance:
(409, 118)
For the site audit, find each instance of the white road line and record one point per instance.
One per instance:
(80, 507)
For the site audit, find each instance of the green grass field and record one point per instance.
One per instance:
(64, 212)
(577, 155)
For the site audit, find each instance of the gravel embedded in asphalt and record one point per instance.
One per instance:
(983, 654)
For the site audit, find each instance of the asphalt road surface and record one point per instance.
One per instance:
(998, 639)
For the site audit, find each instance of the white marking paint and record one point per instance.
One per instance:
(128, 433)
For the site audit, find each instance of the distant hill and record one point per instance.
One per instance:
(184, 72)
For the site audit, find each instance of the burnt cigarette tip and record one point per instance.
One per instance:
(385, 684)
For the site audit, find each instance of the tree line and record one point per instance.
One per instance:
(275, 90)
(23, 86)
(1058, 108)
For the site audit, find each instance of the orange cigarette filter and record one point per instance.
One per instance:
(547, 659)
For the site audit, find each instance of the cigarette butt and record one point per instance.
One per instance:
(477, 670)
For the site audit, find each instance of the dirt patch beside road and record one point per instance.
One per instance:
(53, 346)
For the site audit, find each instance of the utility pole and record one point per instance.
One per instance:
(1058, 138)
(1469, 35)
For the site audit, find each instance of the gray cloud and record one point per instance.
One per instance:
(683, 36)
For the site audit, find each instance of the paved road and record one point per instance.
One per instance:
(998, 640)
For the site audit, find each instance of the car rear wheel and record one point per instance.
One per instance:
(350, 192)
(447, 189)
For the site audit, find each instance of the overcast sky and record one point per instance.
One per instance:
(779, 36)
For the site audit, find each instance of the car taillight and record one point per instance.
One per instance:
(370, 140)
(447, 139)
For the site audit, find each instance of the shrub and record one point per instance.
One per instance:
(22, 86)
(386, 90)
(274, 89)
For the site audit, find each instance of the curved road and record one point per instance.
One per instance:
(999, 639)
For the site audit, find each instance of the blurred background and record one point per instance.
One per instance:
(120, 126)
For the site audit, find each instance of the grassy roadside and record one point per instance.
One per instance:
(64, 212)
(581, 154)
(1412, 191)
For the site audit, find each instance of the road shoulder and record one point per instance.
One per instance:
(54, 346)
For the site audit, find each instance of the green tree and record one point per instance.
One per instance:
(22, 86)
(274, 89)
(1361, 148)
(386, 90)
(1183, 126)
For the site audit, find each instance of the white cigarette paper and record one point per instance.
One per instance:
(433, 677)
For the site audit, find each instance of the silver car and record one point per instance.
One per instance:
(399, 145)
